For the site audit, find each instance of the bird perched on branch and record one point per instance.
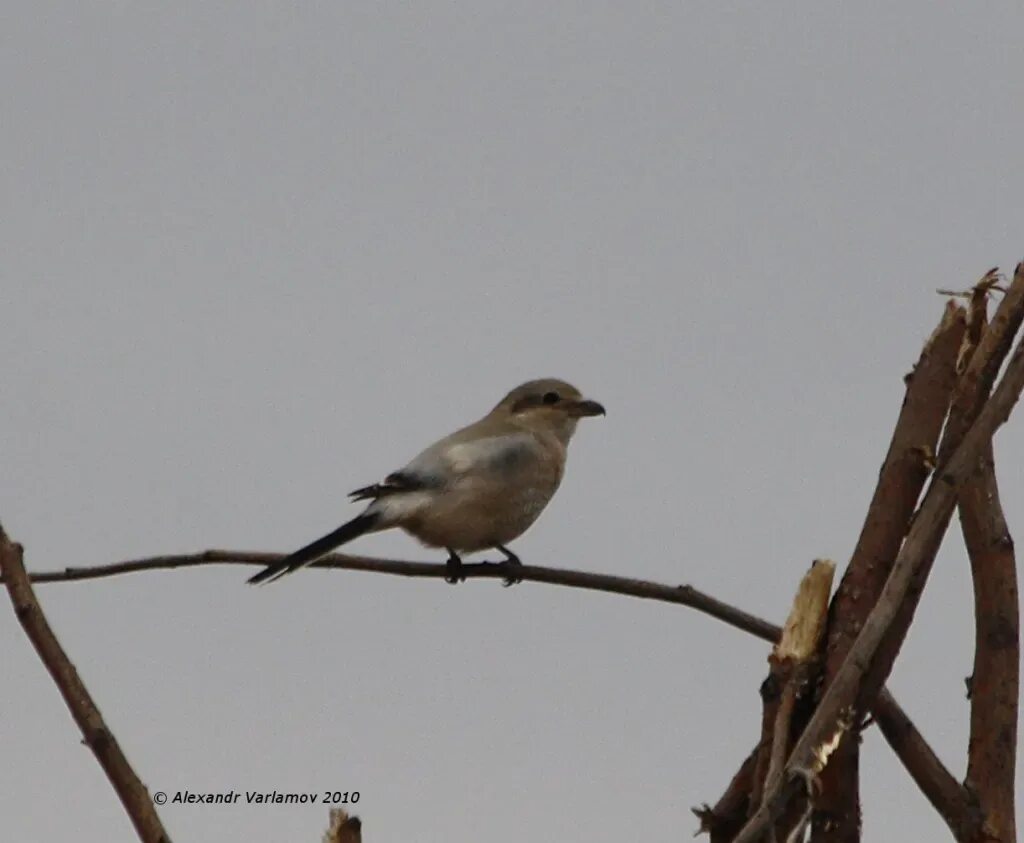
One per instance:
(480, 487)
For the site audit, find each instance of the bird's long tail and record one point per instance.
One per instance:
(311, 552)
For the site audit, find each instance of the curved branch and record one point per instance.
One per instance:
(97, 735)
(935, 781)
(684, 595)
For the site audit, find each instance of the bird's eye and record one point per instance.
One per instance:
(550, 398)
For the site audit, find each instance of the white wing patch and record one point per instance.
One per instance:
(493, 452)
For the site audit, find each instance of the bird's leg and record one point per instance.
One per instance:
(511, 562)
(453, 574)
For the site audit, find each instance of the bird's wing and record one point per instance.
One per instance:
(501, 455)
(397, 481)
(481, 447)
(470, 451)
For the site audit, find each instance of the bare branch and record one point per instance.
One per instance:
(973, 389)
(988, 282)
(952, 800)
(995, 682)
(98, 737)
(680, 594)
(886, 709)
(902, 477)
(834, 709)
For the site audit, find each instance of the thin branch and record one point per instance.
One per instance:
(951, 800)
(902, 477)
(131, 791)
(988, 282)
(832, 716)
(885, 709)
(684, 595)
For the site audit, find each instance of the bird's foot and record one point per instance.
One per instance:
(453, 569)
(511, 564)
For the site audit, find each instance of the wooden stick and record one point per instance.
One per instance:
(973, 389)
(98, 737)
(954, 802)
(832, 716)
(794, 654)
(902, 477)
(343, 828)
(995, 682)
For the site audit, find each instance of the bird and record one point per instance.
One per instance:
(477, 489)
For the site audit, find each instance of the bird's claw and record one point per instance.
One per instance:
(510, 566)
(453, 572)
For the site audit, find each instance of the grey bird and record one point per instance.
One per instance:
(479, 488)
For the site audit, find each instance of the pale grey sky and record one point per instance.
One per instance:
(258, 254)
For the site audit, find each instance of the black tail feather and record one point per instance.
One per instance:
(313, 551)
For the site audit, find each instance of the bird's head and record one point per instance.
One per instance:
(548, 404)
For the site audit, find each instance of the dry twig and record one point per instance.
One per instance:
(131, 791)
(886, 709)
(684, 595)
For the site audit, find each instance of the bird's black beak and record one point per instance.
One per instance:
(586, 408)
